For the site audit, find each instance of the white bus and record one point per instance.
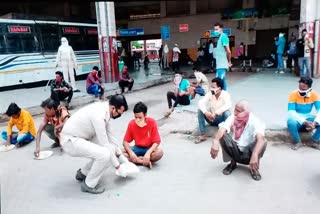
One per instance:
(28, 49)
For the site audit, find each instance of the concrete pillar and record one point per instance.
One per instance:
(309, 19)
(247, 4)
(193, 7)
(163, 9)
(107, 43)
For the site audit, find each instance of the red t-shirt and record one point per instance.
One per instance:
(145, 136)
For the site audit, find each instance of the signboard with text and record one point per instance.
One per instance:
(19, 29)
(165, 32)
(131, 32)
(70, 30)
(183, 27)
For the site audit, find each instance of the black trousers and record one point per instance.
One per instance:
(61, 95)
(289, 61)
(175, 66)
(123, 84)
(182, 100)
(233, 152)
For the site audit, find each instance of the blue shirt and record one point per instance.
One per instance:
(280, 43)
(220, 52)
(184, 85)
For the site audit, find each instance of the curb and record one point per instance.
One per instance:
(86, 99)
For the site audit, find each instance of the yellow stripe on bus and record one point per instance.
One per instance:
(30, 69)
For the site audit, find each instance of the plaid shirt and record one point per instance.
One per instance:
(55, 85)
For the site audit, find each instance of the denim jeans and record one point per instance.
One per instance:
(304, 66)
(221, 73)
(280, 62)
(21, 139)
(95, 89)
(294, 127)
(202, 120)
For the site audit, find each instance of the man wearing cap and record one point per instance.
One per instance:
(175, 57)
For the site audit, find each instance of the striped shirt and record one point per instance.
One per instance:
(300, 108)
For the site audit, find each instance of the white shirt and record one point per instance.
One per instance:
(210, 103)
(90, 122)
(165, 49)
(248, 136)
(203, 81)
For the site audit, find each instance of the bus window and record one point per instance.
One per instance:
(50, 37)
(14, 44)
(75, 37)
(2, 45)
(91, 38)
(28, 43)
(92, 42)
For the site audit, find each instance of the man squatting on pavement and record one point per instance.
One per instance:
(77, 139)
(241, 137)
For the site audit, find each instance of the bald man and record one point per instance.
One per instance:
(241, 137)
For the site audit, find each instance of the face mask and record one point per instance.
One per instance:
(140, 123)
(214, 91)
(304, 93)
(177, 80)
(216, 33)
(117, 116)
(58, 79)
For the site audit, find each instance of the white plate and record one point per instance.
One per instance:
(44, 155)
(132, 169)
(4, 148)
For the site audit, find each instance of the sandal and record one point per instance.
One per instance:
(296, 146)
(167, 114)
(255, 175)
(229, 168)
(200, 140)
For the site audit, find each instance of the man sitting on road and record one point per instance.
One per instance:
(125, 80)
(60, 89)
(94, 83)
(300, 119)
(241, 137)
(181, 94)
(213, 108)
(24, 122)
(144, 131)
(54, 118)
(201, 86)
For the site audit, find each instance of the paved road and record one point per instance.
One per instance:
(186, 180)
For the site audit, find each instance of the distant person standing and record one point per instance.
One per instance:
(66, 59)
(211, 49)
(222, 54)
(165, 56)
(160, 56)
(280, 42)
(175, 57)
(240, 51)
(292, 53)
(304, 48)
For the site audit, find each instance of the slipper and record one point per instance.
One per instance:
(200, 140)
(167, 114)
(255, 175)
(229, 168)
